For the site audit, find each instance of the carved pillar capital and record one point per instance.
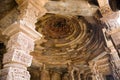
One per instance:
(30, 10)
(20, 27)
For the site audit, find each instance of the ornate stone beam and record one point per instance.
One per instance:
(77, 7)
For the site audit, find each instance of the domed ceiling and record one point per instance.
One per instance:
(67, 39)
(68, 36)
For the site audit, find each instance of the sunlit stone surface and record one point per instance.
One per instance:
(59, 40)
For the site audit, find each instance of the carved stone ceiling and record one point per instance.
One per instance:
(68, 35)
(67, 39)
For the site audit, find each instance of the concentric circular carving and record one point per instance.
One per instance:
(57, 27)
(68, 38)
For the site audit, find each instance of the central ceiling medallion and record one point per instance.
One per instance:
(58, 27)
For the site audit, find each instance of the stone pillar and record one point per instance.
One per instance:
(79, 75)
(21, 35)
(71, 72)
(55, 76)
(45, 75)
(96, 75)
(65, 76)
(17, 58)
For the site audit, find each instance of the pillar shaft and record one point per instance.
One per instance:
(71, 72)
(45, 75)
(55, 76)
(65, 76)
(79, 75)
(95, 71)
(17, 58)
